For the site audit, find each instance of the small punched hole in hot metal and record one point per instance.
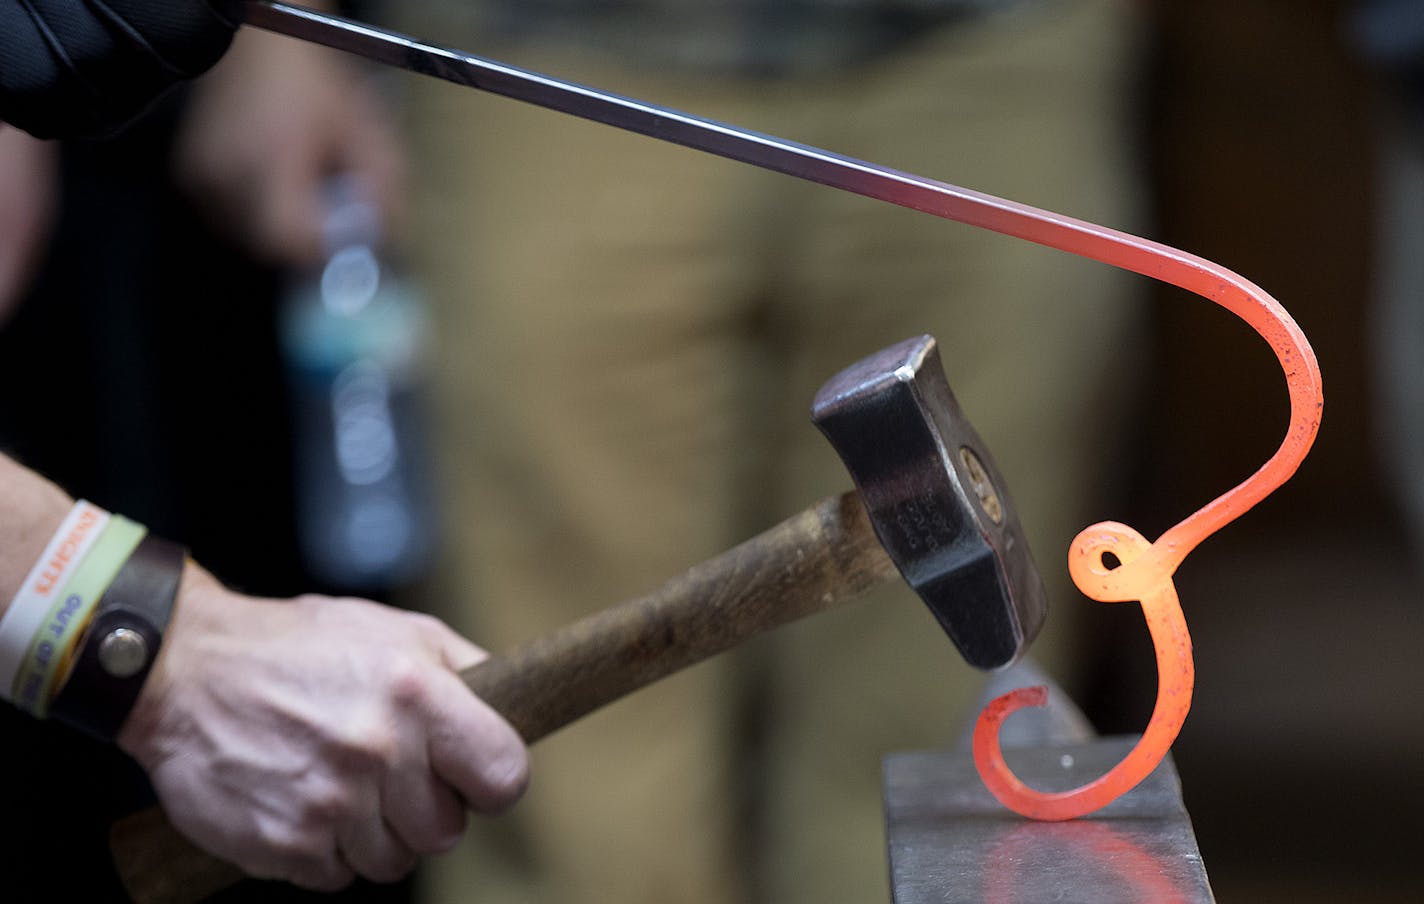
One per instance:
(1111, 561)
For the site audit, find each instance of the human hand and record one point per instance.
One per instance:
(86, 69)
(315, 739)
(266, 130)
(28, 176)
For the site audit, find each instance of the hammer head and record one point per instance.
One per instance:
(935, 498)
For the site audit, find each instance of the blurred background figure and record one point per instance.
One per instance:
(27, 199)
(140, 367)
(629, 337)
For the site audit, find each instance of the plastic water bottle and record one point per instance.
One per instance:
(353, 337)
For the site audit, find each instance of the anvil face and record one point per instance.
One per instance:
(950, 841)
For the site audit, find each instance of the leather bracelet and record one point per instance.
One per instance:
(122, 642)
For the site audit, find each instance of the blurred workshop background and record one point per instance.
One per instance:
(1283, 139)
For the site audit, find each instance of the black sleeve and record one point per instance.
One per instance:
(71, 68)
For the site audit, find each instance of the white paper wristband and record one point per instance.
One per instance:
(46, 579)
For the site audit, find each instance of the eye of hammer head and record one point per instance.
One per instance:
(935, 498)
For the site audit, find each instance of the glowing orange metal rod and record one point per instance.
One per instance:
(1143, 570)
(1146, 569)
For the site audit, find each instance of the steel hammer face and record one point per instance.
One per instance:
(935, 499)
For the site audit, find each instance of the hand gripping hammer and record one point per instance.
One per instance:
(930, 506)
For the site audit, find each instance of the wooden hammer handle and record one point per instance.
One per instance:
(826, 555)
(808, 563)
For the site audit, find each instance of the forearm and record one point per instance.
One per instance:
(29, 171)
(31, 510)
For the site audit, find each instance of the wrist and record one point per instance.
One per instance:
(123, 637)
(199, 614)
(83, 631)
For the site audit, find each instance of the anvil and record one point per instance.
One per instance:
(951, 841)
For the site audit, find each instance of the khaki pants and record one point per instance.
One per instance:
(629, 337)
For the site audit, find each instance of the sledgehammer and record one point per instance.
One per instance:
(930, 506)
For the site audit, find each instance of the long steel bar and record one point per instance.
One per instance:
(765, 151)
